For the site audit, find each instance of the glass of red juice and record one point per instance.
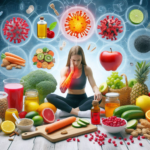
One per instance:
(14, 88)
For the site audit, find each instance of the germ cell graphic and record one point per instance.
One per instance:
(16, 29)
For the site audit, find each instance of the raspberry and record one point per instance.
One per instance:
(78, 140)
(125, 139)
(132, 141)
(140, 144)
(128, 143)
(121, 142)
(115, 145)
(115, 137)
(74, 139)
(143, 137)
(85, 135)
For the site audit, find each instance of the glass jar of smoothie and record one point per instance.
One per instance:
(30, 96)
(111, 103)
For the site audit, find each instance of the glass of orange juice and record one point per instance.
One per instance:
(9, 116)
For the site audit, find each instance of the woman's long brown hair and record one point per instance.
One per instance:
(76, 50)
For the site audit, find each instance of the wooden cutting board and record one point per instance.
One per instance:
(56, 135)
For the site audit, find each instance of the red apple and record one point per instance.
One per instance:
(110, 60)
(149, 94)
(50, 33)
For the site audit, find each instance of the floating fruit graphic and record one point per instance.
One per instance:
(46, 105)
(8, 127)
(143, 102)
(136, 16)
(48, 115)
(110, 28)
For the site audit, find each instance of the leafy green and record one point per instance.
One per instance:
(45, 49)
(35, 63)
(52, 25)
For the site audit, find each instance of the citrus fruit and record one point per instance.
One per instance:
(48, 115)
(132, 124)
(147, 115)
(136, 16)
(31, 114)
(46, 105)
(38, 120)
(32, 106)
(8, 127)
(143, 102)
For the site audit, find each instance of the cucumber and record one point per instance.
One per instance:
(84, 121)
(119, 110)
(133, 114)
(76, 125)
(81, 124)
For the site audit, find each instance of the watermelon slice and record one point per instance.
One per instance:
(48, 115)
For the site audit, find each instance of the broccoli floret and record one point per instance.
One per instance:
(44, 88)
(27, 86)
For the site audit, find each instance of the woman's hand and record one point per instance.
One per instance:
(71, 66)
(97, 95)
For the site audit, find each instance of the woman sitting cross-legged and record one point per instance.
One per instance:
(73, 78)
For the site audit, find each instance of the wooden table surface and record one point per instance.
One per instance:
(40, 143)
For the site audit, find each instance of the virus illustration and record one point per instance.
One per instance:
(77, 23)
(16, 30)
(110, 28)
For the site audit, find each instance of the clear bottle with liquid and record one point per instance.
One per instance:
(42, 28)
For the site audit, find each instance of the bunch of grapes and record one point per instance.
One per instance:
(114, 81)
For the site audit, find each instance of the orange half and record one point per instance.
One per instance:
(148, 115)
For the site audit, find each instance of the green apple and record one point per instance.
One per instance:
(132, 82)
(103, 88)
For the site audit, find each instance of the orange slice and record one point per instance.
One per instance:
(8, 127)
(148, 115)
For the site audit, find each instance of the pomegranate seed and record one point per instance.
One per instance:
(97, 135)
(74, 139)
(98, 131)
(132, 141)
(128, 143)
(121, 142)
(103, 142)
(58, 119)
(78, 140)
(138, 138)
(143, 137)
(115, 145)
(105, 135)
(125, 139)
(115, 137)
(120, 138)
(110, 139)
(140, 144)
(85, 135)
(130, 137)
(91, 134)
(113, 142)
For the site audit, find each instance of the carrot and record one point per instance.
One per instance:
(13, 59)
(51, 53)
(39, 65)
(60, 124)
(13, 55)
(34, 59)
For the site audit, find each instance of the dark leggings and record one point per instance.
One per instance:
(71, 101)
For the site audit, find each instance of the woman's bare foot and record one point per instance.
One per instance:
(74, 111)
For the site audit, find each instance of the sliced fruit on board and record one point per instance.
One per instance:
(119, 110)
(8, 127)
(48, 115)
(147, 115)
(76, 125)
(132, 124)
(84, 121)
(81, 124)
(136, 16)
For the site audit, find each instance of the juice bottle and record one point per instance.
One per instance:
(41, 28)
(111, 103)
(30, 96)
(14, 88)
(95, 113)
(9, 116)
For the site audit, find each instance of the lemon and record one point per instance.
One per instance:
(32, 106)
(8, 127)
(143, 102)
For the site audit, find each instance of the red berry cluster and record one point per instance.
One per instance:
(113, 121)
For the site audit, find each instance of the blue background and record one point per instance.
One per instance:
(98, 8)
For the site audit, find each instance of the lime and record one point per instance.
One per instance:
(136, 16)
(38, 120)
(132, 124)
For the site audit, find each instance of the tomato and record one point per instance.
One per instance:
(22, 114)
